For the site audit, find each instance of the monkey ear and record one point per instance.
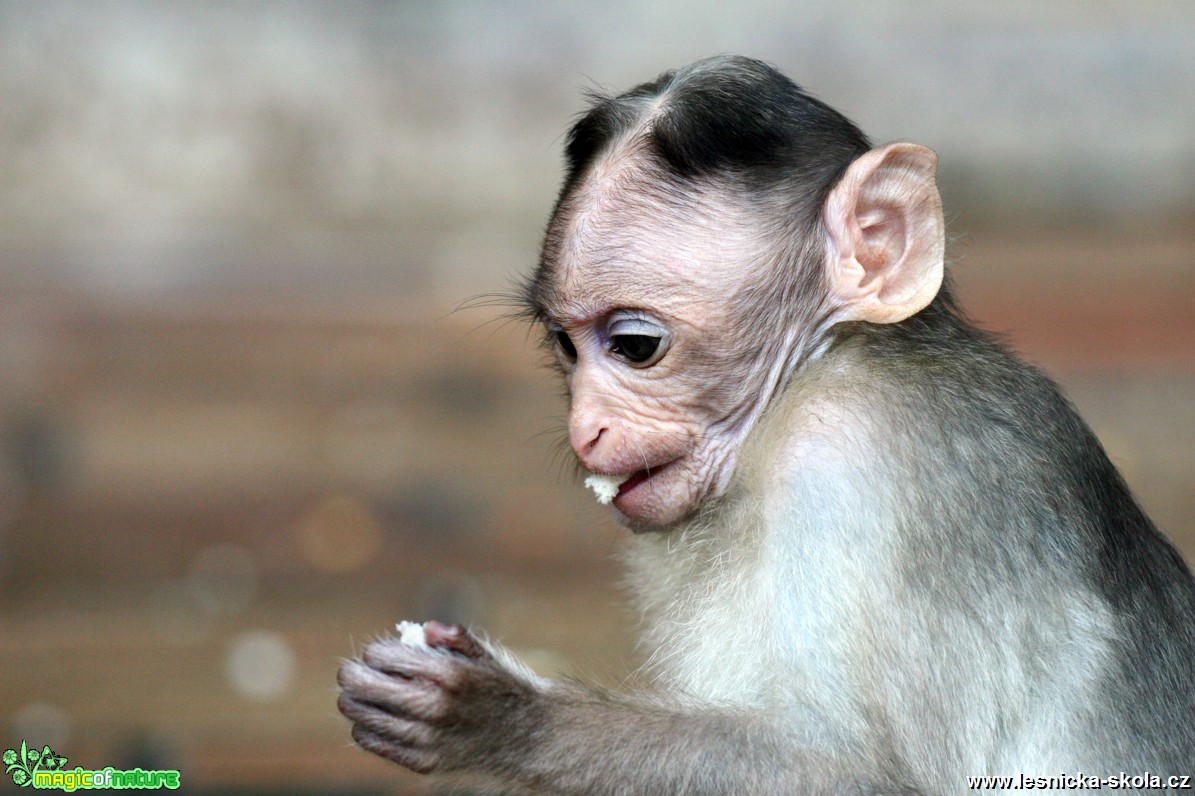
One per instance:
(886, 235)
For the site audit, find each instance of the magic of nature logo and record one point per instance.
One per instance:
(45, 769)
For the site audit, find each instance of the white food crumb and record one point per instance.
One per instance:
(411, 634)
(605, 486)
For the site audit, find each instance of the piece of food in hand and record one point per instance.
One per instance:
(605, 486)
(411, 634)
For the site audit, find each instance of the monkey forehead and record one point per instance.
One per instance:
(621, 241)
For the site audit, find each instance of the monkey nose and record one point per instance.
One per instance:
(589, 440)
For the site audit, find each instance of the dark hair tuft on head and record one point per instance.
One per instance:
(728, 117)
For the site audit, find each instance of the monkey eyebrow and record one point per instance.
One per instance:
(548, 316)
(551, 305)
(571, 315)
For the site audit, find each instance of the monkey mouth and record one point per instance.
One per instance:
(635, 480)
(642, 476)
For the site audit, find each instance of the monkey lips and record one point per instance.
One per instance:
(611, 488)
(645, 497)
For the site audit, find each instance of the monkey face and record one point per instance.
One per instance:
(634, 297)
(629, 417)
(633, 414)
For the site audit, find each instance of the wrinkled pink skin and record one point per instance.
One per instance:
(677, 268)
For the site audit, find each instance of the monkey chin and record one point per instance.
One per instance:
(643, 527)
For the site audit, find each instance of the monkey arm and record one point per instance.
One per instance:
(600, 743)
(464, 707)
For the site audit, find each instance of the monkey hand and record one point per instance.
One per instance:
(450, 706)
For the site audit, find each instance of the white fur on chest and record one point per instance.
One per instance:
(740, 620)
(706, 617)
(751, 606)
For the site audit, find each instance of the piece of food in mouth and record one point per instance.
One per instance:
(605, 486)
(411, 634)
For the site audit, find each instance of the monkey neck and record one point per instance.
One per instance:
(693, 585)
(765, 547)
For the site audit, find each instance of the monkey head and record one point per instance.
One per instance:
(678, 299)
(636, 314)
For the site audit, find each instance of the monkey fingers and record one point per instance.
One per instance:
(436, 664)
(379, 721)
(411, 754)
(405, 695)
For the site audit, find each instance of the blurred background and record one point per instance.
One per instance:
(244, 426)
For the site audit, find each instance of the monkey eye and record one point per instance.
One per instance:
(563, 344)
(638, 341)
(635, 348)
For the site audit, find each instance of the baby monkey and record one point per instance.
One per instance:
(875, 552)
